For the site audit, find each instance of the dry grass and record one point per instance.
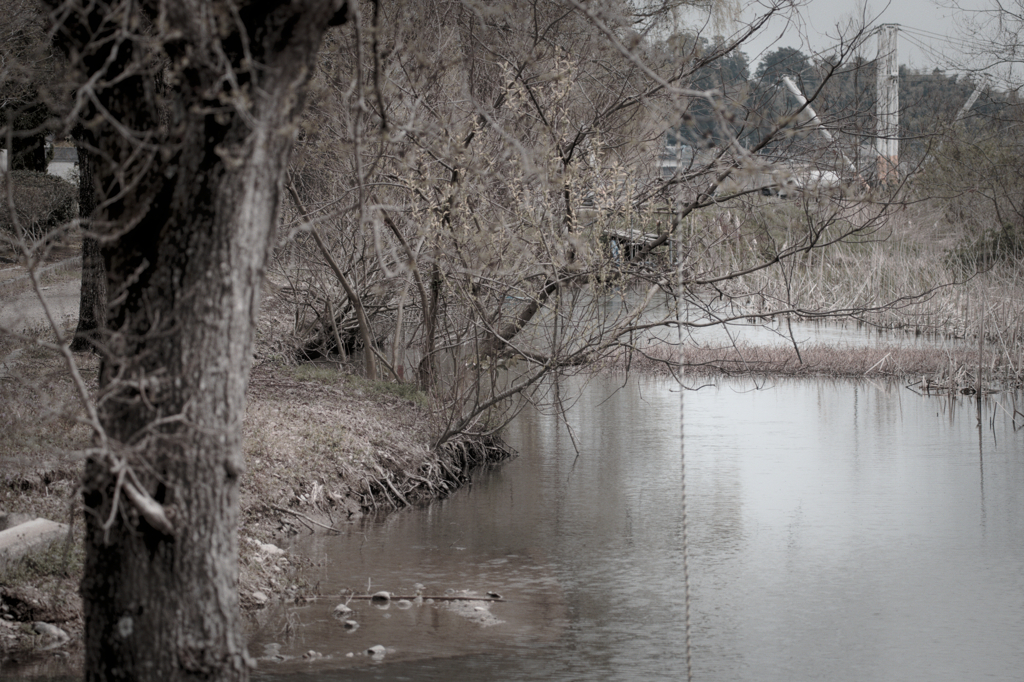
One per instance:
(903, 278)
(315, 439)
(324, 447)
(39, 433)
(60, 260)
(331, 446)
(909, 269)
(39, 475)
(957, 366)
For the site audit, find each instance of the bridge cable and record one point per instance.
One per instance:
(682, 449)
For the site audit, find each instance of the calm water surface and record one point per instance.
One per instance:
(837, 531)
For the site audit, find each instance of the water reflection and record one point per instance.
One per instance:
(839, 531)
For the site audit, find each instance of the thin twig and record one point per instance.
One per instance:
(301, 516)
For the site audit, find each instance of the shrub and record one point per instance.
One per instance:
(42, 202)
(993, 246)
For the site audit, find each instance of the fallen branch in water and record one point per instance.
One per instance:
(396, 597)
(301, 516)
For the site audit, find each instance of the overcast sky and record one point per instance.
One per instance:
(931, 34)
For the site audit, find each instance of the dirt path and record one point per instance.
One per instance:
(20, 308)
(23, 310)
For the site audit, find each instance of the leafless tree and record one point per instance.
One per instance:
(188, 110)
(474, 195)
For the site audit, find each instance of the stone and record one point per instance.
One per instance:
(260, 598)
(351, 625)
(341, 611)
(473, 611)
(51, 632)
(270, 549)
(25, 538)
(380, 597)
(376, 651)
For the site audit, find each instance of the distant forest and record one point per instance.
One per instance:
(843, 95)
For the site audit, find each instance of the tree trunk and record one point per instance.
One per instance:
(192, 118)
(92, 302)
(28, 151)
(426, 368)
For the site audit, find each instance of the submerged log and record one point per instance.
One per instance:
(424, 597)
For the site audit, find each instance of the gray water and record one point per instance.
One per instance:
(837, 531)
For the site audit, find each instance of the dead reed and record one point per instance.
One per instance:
(910, 272)
(953, 366)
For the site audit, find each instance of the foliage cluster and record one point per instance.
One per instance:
(42, 203)
(976, 178)
(477, 208)
(466, 180)
(31, 89)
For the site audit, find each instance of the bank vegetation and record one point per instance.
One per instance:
(477, 199)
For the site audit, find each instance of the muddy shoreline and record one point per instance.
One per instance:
(323, 448)
(328, 451)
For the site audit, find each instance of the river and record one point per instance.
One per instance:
(836, 531)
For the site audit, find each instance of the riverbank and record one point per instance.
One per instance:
(323, 448)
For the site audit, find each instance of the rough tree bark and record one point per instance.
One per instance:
(191, 107)
(92, 303)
